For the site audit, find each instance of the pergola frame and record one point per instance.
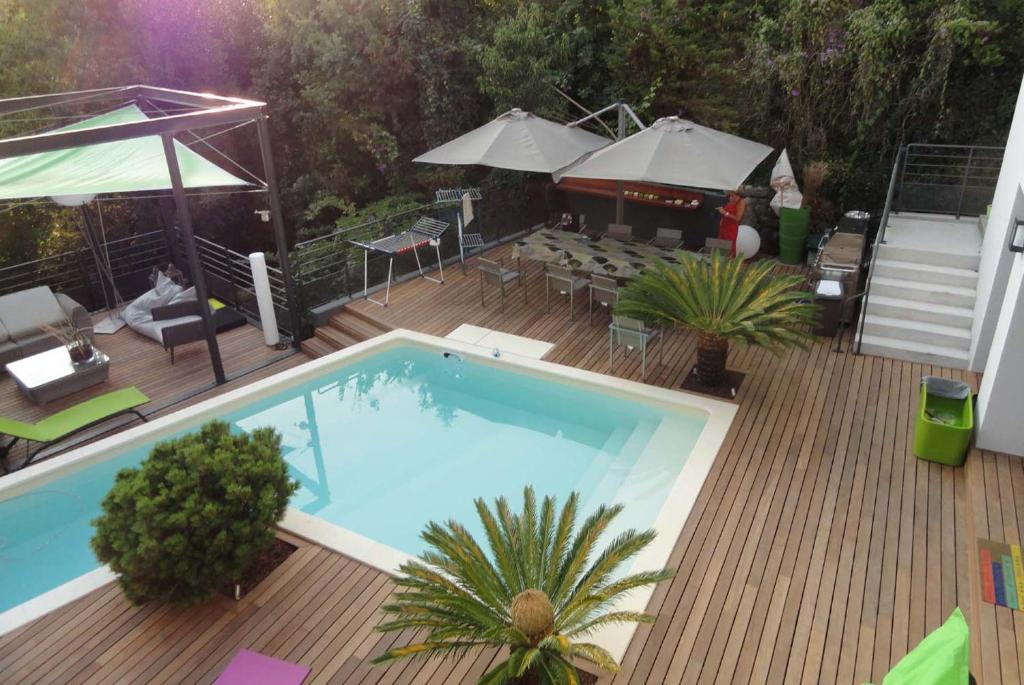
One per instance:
(211, 110)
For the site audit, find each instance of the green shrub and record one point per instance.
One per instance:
(195, 514)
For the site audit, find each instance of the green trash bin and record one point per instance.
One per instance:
(794, 222)
(945, 421)
(793, 225)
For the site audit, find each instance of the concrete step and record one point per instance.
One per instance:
(924, 273)
(917, 332)
(355, 327)
(915, 352)
(925, 312)
(933, 257)
(899, 288)
(315, 347)
(334, 337)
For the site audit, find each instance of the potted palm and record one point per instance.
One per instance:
(539, 593)
(722, 300)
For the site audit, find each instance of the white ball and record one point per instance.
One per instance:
(748, 242)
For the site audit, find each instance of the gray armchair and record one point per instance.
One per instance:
(185, 323)
(633, 334)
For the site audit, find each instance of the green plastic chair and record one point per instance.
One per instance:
(941, 658)
(67, 422)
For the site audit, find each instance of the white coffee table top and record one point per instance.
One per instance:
(51, 365)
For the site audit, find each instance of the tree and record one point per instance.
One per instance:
(723, 301)
(195, 514)
(537, 593)
(522, 62)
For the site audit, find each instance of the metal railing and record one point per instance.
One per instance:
(879, 240)
(947, 179)
(75, 272)
(229, 279)
(328, 268)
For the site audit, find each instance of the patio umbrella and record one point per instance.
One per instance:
(674, 151)
(520, 141)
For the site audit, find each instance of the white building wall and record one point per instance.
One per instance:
(1000, 413)
(996, 260)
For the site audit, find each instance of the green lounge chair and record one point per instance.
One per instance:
(66, 423)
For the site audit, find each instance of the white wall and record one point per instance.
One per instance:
(1000, 413)
(996, 260)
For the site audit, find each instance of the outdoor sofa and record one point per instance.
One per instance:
(23, 315)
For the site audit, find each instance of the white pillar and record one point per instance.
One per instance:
(264, 300)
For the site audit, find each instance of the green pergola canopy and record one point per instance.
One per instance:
(125, 166)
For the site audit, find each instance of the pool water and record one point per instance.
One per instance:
(389, 442)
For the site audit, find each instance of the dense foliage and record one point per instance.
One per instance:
(195, 514)
(357, 88)
(541, 590)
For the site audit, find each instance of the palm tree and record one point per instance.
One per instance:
(723, 301)
(537, 592)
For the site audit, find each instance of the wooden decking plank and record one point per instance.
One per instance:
(748, 571)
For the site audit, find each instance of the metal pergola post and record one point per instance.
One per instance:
(198, 280)
(620, 187)
(280, 239)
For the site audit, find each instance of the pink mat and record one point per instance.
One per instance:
(253, 668)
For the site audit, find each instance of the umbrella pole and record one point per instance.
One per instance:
(620, 187)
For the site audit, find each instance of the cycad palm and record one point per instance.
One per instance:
(724, 301)
(536, 593)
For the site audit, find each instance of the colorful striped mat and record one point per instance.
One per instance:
(1002, 574)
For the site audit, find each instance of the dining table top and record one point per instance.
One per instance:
(603, 256)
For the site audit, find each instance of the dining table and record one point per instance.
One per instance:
(603, 256)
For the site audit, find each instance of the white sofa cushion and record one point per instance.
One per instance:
(24, 313)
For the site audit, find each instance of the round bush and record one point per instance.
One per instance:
(195, 514)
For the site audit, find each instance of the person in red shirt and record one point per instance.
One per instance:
(732, 214)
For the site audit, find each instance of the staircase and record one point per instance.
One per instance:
(922, 291)
(344, 329)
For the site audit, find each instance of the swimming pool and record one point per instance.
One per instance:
(382, 439)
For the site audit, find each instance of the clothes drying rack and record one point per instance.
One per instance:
(425, 231)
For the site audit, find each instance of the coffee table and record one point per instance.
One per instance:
(50, 375)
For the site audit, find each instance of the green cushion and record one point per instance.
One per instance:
(74, 418)
(941, 658)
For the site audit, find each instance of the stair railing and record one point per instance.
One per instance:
(879, 241)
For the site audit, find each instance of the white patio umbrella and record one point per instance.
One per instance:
(520, 141)
(674, 151)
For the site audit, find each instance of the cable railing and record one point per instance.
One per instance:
(947, 179)
(229, 279)
(75, 272)
(330, 268)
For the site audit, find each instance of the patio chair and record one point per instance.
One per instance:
(605, 290)
(633, 334)
(712, 245)
(65, 423)
(669, 238)
(494, 274)
(620, 231)
(566, 282)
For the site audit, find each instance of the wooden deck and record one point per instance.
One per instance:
(138, 361)
(819, 550)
